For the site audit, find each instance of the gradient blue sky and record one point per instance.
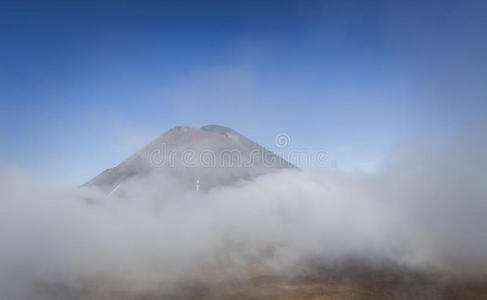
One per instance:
(83, 84)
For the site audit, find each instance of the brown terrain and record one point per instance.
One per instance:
(347, 281)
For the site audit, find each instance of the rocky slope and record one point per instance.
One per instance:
(212, 155)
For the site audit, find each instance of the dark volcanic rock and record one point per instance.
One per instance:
(214, 155)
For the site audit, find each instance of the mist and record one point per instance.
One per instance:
(425, 210)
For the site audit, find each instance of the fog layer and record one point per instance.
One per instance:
(427, 209)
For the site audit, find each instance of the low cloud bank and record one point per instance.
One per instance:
(426, 210)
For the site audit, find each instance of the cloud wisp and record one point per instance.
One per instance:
(425, 210)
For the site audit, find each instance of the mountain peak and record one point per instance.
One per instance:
(216, 154)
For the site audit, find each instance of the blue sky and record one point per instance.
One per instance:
(84, 84)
